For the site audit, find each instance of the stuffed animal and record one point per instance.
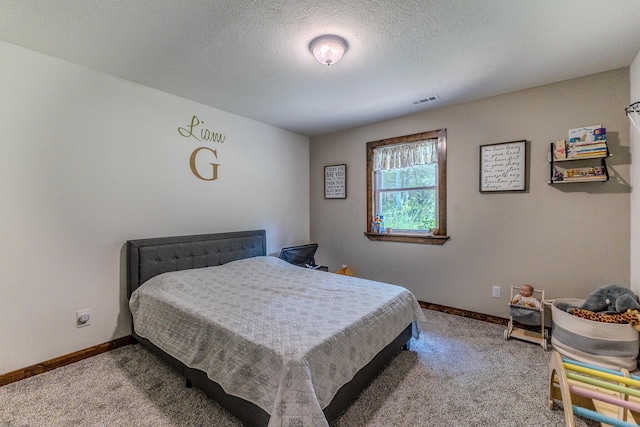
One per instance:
(630, 316)
(559, 149)
(607, 299)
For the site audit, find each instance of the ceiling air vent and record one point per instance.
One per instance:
(425, 100)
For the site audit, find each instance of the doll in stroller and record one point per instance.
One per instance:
(526, 307)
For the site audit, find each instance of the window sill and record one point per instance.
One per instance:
(408, 238)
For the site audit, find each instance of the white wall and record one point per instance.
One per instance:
(567, 239)
(634, 134)
(88, 161)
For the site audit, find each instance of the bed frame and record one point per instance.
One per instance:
(147, 258)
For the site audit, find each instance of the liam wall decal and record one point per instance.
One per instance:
(202, 154)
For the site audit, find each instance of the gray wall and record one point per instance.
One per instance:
(565, 239)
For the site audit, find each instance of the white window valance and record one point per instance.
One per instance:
(400, 156)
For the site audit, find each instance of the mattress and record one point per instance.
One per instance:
(282, 337)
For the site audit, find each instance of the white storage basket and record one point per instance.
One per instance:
(608, 345)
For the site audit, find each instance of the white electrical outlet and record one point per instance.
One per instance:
(83, 318)
(495, 291)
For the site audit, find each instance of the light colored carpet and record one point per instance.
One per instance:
(461, 372)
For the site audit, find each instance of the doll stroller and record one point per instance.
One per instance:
(530, 316)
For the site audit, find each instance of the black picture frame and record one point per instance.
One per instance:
(335, 181)
(503, 167)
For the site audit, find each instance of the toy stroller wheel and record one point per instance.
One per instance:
(506, 334)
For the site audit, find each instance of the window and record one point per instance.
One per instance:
(406, 185)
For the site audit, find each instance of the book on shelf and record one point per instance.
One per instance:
(581, 174)
(602, 143)
(586, 133)
(585, 178)
(587, 150)
(590, 153)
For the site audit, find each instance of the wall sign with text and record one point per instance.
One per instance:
(503, 167)
(335, 182)
(203, 160)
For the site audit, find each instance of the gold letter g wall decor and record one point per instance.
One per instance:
(194, 169)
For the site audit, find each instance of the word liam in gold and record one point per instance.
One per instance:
(205, 134)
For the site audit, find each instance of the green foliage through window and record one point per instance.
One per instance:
(407, 198)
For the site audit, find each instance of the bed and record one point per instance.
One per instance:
(204, 304)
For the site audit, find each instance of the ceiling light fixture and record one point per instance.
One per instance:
(328, 49)
(633, 112)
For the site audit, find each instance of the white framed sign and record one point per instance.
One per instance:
(503, 166)
(335, 182)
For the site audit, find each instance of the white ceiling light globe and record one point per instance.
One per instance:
(328, 49)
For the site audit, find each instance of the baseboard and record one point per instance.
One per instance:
(464, 313)
(58, 362)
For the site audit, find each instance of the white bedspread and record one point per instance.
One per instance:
(282, 337)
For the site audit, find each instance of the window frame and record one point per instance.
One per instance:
(438, 238)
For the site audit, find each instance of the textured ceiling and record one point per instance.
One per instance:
(251, 57)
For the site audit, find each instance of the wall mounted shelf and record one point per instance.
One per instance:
(588, 168)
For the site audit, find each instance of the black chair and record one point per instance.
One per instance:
(302, 255)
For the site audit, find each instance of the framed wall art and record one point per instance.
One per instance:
(503, 167)
(335, 182)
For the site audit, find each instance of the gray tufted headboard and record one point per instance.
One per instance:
(149, 257)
